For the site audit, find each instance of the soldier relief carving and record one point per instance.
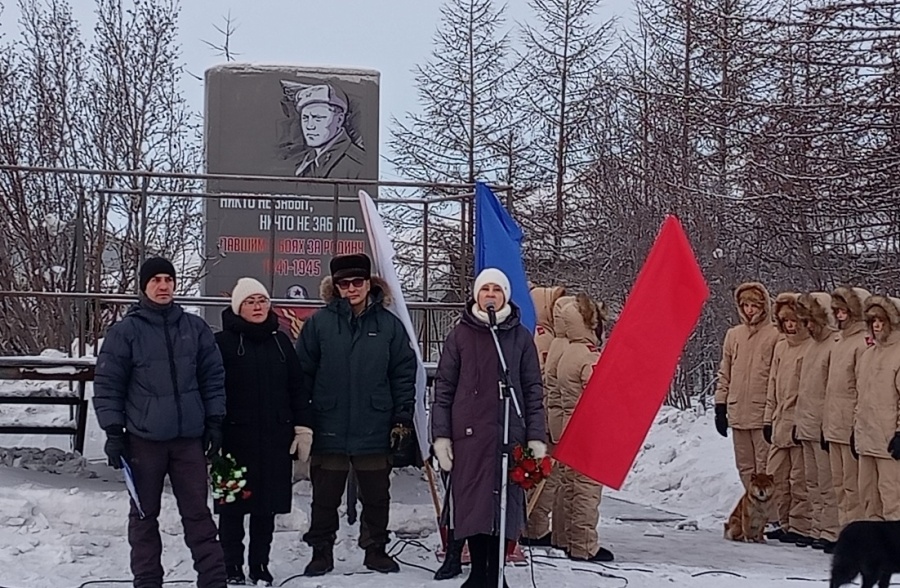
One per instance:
(322, 131)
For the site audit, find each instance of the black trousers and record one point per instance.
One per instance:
(328, 474)
(231, 534)
(184, 462)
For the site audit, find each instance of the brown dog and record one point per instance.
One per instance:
(748, 519)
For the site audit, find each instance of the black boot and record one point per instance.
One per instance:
(260, 572)
(322, 561)
(544, 541)
(234, 576)
(378, 560)
(478, 555)
(452, 565)
(493, 564)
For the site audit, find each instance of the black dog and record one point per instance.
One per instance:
(870, 548)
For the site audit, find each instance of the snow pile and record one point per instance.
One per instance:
(51, 460)
(685, 467)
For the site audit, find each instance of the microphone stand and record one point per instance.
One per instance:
(507, 392)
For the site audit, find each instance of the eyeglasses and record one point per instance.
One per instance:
(256, 302)
(355, 282)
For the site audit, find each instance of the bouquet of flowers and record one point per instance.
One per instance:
(526, 470)
(227, 480)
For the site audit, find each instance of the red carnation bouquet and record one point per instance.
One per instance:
(526, 470)
(227, 480)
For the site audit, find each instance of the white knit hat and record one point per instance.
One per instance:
(244, 289)
(491, 275)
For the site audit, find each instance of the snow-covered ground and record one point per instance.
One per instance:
(62, 522)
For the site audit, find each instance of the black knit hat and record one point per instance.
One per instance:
(155, 266)
(353, 265)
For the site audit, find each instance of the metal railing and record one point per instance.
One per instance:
(87, 298)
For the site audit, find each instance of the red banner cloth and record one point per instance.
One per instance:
(636, 367)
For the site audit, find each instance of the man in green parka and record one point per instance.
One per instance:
(360, 370)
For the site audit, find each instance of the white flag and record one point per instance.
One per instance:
(383, 259)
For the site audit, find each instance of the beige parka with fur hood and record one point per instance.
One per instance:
(577, 362)
(878, 382)
(743, 378)
(840, 393)
(815, 308)
(544, 332)
(784, 377)
(557, 348)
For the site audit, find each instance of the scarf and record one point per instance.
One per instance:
(484, 317)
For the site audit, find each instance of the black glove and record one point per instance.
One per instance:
(116, 447)
(212, 436)
(894, 446)
(824, 443)
(401, 431)
(853, 451)
(722, 420)
(767, 433)
(794, 436)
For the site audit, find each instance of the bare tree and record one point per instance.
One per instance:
(454, 137)
(562, 79)
(114, 103)
(227, 31)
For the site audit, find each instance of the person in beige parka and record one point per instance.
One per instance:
(786, 457)
(538, 530)
(743, 379)
(582, 495)
(840, 399)
(544, 300)
(814, 312)
(876, 432)
(534, 535)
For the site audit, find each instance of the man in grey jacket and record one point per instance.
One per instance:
(159, 393)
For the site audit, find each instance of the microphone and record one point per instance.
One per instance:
(492, 313)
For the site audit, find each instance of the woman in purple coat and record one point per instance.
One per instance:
(467, 421)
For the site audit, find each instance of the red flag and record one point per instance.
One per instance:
(632, 377)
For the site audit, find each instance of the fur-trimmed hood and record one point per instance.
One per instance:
(581, 319)
(544, 299)
(380, 291)
(852, 300)
(759, 294)
(816, 307)
(560, 319)
(886, 307)
(784, 306)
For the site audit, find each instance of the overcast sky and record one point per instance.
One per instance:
(390, 36)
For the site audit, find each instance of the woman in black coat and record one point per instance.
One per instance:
(267, 422)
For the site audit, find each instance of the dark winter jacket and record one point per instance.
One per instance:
(265, 399)
(159, 374)
(467, 409)
(361, 371)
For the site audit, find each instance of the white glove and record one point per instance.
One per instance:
(443, 451)
(538, 448)
(302, 443)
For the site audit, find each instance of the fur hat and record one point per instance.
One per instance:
(352, 265)
(491, 275)
(153, 267)
(244, 289)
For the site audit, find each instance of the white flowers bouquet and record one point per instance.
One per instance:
(227, 480)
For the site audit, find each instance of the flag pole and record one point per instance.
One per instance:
(535, 496)
(432, 485)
